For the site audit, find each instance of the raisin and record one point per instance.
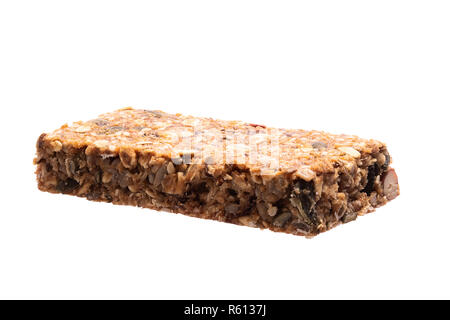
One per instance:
(232, 192)
(373, 172)
(67, 186)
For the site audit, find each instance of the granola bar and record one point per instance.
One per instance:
(286, 180)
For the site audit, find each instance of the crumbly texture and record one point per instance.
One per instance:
(287, 180)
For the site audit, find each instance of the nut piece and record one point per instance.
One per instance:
(83, 128)
(106, 177)
(272, 211)
(350, 151)
(56, 145)
(170, 168)
(128, 157)
(70, 167)
(390, 184)
(247, 221)
(262, 211)
(101, 144)
(305, 174)
(381, 160)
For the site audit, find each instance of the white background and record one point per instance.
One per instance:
(378, 69)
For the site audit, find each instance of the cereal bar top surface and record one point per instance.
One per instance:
(215, 142)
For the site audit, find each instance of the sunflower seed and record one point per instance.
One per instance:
(282, 218)
(159, 176)
(319, 145)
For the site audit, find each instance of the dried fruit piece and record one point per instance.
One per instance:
(67, 186)
(56, 145)
(256, 125)
(373, 172)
